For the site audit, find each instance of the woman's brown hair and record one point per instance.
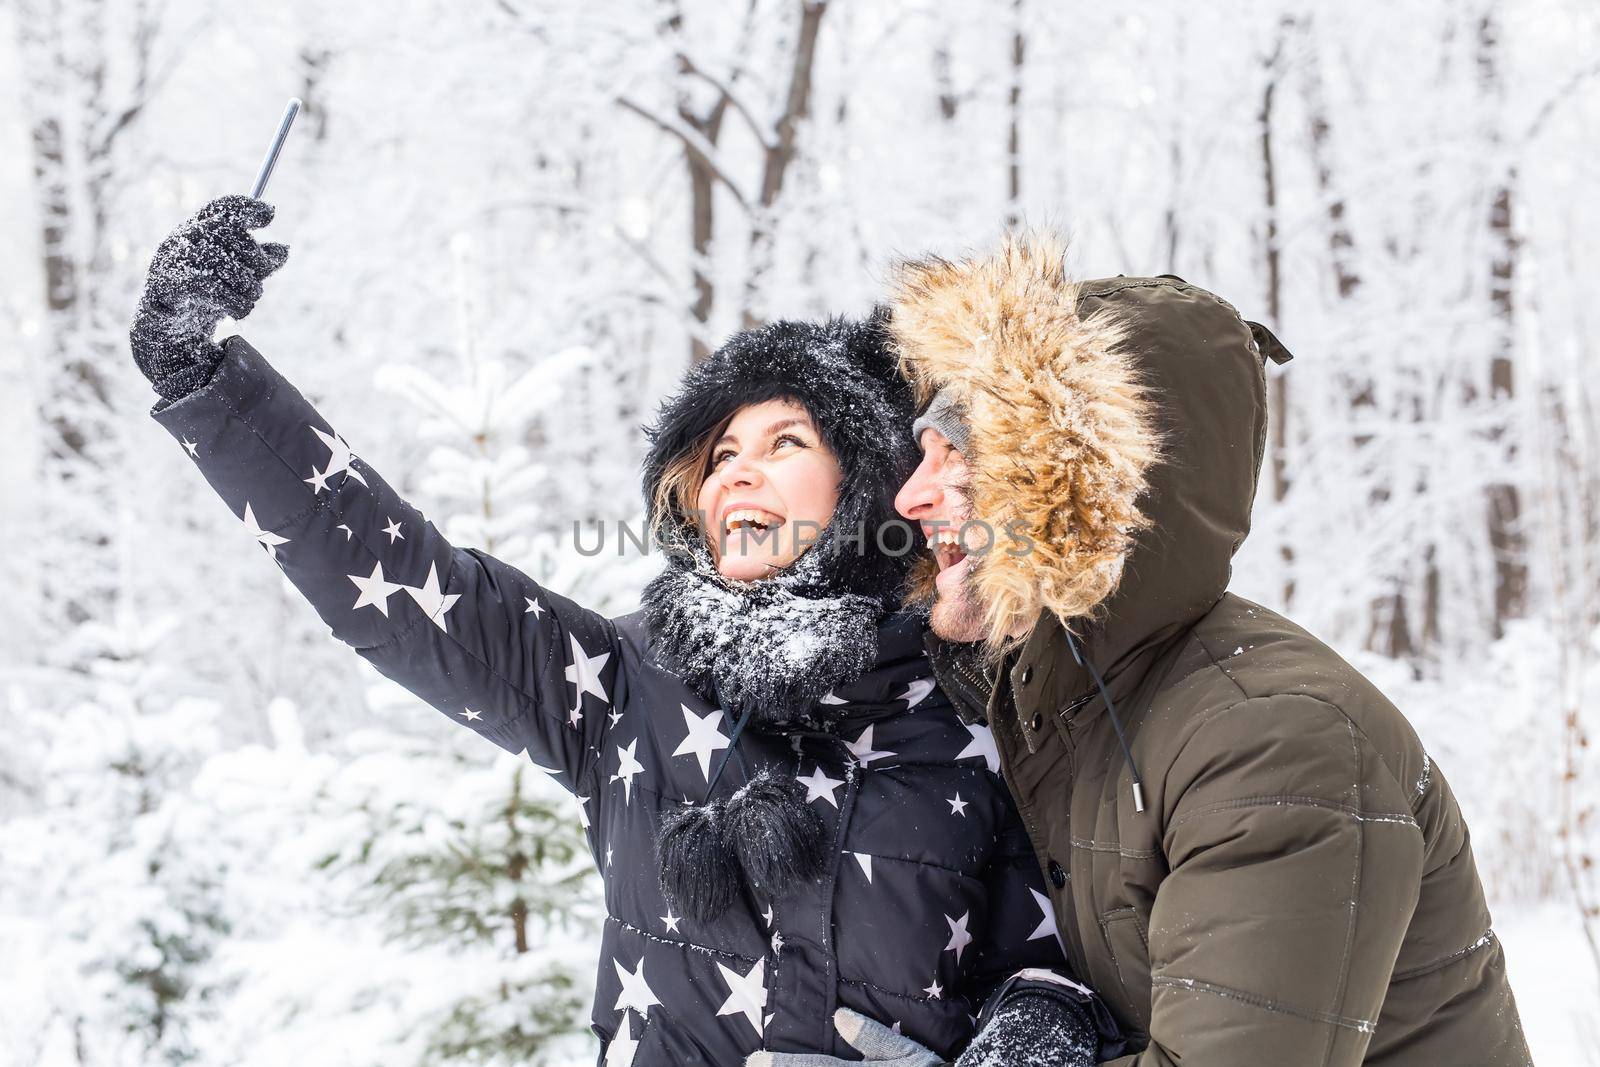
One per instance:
(677, 494)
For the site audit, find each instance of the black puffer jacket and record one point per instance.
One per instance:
(931, 897)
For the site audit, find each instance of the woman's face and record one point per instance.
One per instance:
(772, 487)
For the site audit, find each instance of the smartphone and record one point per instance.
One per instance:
(271, 161)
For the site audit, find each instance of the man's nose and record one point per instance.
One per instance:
(920, 494)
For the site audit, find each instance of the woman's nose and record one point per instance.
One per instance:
(740, 471)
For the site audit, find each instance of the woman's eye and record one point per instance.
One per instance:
(787, 438)
(719, 458)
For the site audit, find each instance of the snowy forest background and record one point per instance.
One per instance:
(225, 840)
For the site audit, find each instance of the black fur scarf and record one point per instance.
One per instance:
(769, 656)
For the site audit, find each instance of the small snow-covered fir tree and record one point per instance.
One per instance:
(483, 864)
(114, 894)
(481, 474)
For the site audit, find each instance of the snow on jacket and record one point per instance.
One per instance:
(1299, 885)
(933, 897)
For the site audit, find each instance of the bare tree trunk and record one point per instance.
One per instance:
(779, 153)
(949, 101)
(76, 126)
(1177, 125)
(42, 41)
(1341, 242)
(1272, 254)
(702, 221)
(1014, 119)
(61, 46)
(516, 866)
(1506, 539)
(702, 193)
(1569, 501)
(698, 131)
(314, 63)
(1390, 628)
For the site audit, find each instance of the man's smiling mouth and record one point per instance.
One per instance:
(947, 548)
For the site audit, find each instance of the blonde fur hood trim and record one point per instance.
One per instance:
(1062, 432)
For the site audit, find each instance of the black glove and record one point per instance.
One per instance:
(208, 269)
(1035, 1030)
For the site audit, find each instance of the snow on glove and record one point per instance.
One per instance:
(208, 269)
(877, 1044)
(1035, 1030)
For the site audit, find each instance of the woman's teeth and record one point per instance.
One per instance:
(750, 518)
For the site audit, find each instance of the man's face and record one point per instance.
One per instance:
(938, 499)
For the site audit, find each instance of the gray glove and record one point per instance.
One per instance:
(877, 1044)
(208, 269)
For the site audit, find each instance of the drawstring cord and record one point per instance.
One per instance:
(734, 752)
(1116, 723)
(733, 747)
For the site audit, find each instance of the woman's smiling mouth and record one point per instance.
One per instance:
(737, 517)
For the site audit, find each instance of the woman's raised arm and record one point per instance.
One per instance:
(476, 638)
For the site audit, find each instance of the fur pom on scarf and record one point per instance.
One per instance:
(770, 656)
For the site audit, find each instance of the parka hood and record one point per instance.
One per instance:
(1119, 424)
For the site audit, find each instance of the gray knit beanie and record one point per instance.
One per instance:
(948, 415)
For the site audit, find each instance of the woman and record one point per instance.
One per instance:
(787, 816)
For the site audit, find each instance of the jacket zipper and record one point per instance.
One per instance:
(1071, 942)
(1075, 953)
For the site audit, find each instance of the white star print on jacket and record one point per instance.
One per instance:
(705, 737)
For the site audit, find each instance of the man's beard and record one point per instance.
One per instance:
(958, 619)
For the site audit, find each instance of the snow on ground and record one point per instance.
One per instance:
(1555, 982)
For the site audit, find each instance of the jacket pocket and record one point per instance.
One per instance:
(1126, 939)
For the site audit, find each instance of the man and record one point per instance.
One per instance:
(1252, 859)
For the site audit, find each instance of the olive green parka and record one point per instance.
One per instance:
(1299, 887)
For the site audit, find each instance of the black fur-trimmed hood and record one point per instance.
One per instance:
(844, 373)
